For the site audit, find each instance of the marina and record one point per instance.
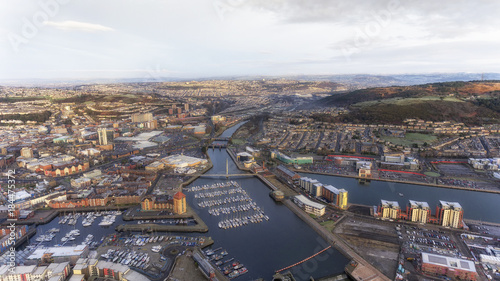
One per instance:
(229, 201)
(263, 247)
(229, 267)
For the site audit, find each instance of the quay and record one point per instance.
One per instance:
(151, 227)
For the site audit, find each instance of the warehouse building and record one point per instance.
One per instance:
(451, 267)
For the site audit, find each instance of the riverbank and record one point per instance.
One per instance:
(398, 181)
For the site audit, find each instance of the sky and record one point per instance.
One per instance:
(151, 39)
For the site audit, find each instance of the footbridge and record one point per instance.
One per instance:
(225, 175)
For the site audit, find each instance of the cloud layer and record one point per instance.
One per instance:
(200, 38)
(78, 26)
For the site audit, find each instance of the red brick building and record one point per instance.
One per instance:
(451, 267)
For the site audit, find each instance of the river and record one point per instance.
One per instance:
(477, 205)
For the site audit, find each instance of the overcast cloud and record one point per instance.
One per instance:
(203, 38)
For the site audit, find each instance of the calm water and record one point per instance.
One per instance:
(270, 245)
(94, 229)
(477, 205)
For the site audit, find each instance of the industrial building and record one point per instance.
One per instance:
(287, 174)
(448, 266)
(291, 160)
(309, 206)
(419, 211)
(58, 254)
(450, 214)
(182, 161)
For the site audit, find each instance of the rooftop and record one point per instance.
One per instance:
(390, 204)
(450, 205)
(418, 204)
(449, 262)
(58, 251)
(306, 201)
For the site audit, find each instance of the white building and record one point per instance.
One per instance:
(309, 206)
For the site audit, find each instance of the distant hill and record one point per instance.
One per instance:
(474, 102)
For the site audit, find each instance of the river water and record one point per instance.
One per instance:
(477, 205)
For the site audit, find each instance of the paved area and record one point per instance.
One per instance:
(185, 269)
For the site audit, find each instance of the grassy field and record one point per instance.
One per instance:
(411, 138)
(238, 141)
(328, 225)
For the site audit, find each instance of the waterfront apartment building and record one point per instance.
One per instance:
(336, 196)
(309, 206)
(419, 211)
(447, 266)
(342, 199)
(92, 268)
(179, 203)
(155, 203)
(450, 214)
(52, 272)
(308, 185)
(390, 209)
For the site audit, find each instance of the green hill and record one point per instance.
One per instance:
(472, 103)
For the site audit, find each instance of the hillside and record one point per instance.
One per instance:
(473, 103)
